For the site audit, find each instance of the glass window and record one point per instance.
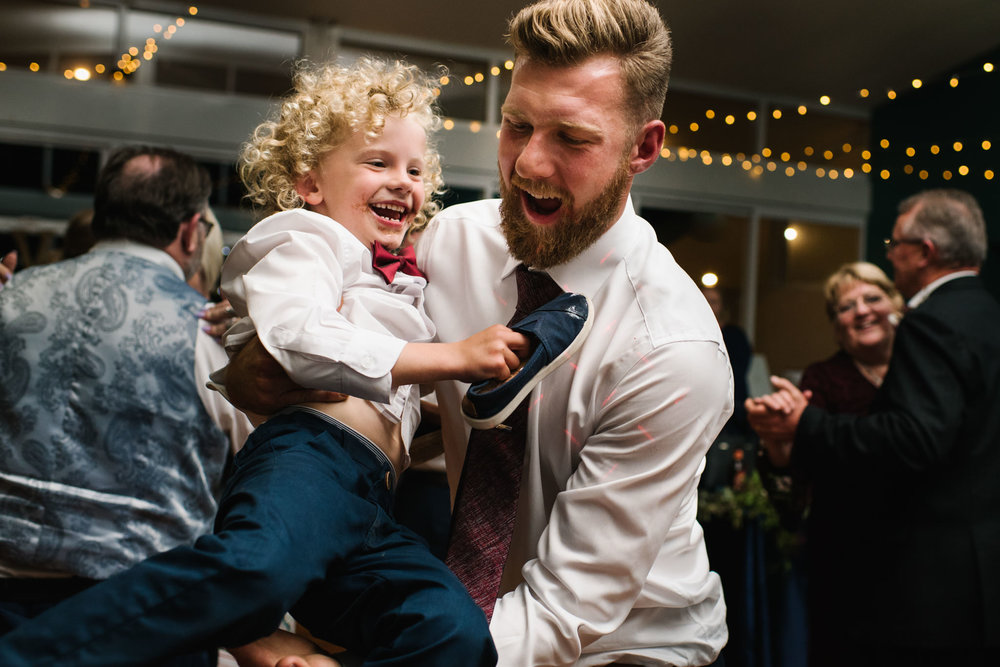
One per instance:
(792, 328)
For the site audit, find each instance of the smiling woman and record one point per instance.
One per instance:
(864, 308)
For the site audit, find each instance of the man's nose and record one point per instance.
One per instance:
(535, 160)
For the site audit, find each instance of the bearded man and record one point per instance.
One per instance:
(607, 562)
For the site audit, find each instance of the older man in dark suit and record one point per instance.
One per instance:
(922, 575)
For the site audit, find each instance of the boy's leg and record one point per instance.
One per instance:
(397, 604)
(273, 539)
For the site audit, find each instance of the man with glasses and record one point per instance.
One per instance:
(110, 449)
(921, 572)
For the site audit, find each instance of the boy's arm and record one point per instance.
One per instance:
(257, 383)
(492, 353)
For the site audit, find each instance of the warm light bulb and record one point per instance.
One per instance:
(824, 100)
(709, 279)
(81, 74)
(916, 83)
(791, 233)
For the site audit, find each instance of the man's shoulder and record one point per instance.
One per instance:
(483, 214)
(672, 306)
(470, 229)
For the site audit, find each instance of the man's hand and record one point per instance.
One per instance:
(282, 649)
(219, 318)
(776, 416)
(257, 383)
(7, 266)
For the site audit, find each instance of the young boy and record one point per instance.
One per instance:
(305, 522)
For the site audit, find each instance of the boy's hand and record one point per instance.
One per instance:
(493, 353)
(257, 383)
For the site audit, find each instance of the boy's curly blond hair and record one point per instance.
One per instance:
(328, 104)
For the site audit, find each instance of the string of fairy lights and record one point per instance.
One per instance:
(756, 164)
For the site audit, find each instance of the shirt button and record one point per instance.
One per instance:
(367, 361)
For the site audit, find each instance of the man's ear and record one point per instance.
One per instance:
(308, 189)
(928, 253)
(646, 148)
(189, 233)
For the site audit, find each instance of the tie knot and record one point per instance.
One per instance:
(534, 289)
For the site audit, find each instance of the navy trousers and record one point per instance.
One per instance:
(304, 525)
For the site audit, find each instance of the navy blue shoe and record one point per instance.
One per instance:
(557, 329)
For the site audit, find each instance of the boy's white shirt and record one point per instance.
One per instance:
(305, 286)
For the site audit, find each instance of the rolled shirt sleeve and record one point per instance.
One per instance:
(298, 279)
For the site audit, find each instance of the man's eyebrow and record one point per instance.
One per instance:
(563, 125)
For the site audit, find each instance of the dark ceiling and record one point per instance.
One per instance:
(795, 49)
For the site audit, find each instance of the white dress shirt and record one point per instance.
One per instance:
(607, 562)
(926, 291)
(305, 286)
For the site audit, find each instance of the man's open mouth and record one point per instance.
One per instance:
(541, 205)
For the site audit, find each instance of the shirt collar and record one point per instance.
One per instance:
(922, 295)
(143, 251)
(585, 273)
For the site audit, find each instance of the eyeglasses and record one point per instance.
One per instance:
(208, 224)
(892, 243)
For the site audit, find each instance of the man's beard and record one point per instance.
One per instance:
(543, 246)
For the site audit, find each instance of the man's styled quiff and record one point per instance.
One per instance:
(328, 104)
(566, 32)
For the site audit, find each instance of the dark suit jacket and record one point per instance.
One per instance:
(922, 567)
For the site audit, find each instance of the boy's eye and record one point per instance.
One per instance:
(414, 171)
(377, 163)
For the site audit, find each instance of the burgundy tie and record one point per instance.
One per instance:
(386, 263)
(486, 503)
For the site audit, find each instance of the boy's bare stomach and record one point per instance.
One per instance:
(364, 418)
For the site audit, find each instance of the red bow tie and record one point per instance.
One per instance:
(386, 263)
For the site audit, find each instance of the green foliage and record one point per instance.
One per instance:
(751, 502)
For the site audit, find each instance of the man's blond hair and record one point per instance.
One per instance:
(328, 104)
(566, 32)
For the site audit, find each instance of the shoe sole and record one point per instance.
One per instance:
(495, 420)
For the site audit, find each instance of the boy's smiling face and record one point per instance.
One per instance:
(374, 188)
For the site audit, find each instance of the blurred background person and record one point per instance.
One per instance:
(108, 451)
(864, 308)
(740, 353)
(918, 500)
